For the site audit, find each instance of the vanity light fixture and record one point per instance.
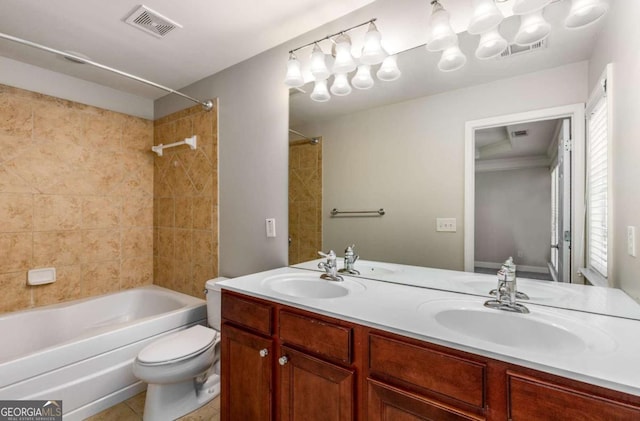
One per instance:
(486, 16)
(440, 34)
(452, 59)
(533, 28)
(491, 45)
(585, 12)
(294, 77)
(341, 63)
(524, 7)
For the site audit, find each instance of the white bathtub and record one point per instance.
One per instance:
(81, 351)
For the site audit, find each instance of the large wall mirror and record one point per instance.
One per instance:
(401, 146)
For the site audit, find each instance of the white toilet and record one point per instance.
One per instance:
(182, 370)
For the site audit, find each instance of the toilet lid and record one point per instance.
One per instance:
(178, 345)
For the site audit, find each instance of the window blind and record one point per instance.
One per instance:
(597, 187)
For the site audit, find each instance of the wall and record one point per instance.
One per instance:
(513, 216)
(409, 159)
(253, 157)
(36, 79)
(76, 193)
(186, 201)
(305, 201)
(619, 44)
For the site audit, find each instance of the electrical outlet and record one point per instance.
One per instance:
(271, 227)
(631, 241)
(446, 224)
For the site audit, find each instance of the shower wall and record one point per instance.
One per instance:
(186, 201)
(76, 193)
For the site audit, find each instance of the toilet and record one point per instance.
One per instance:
(182, 370)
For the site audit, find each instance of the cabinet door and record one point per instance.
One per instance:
(387, 403)
(314, 390)
(247, 361)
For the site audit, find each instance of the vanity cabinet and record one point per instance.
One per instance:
(282, 363)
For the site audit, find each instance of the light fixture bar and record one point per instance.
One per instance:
(207, 105)
(333, 35)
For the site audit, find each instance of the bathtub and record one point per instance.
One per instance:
(82, 351)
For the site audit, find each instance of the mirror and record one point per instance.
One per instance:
(401, 146)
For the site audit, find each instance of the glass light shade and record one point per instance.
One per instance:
(389, 70)
(523, 7)
(441, 34)
(372, 52)
(344, 62)
(294, 77)
(452, 59)
(533, 28)
(319, 68)
(340, 85)
(491, 45)
(320, 92)
(486, 16)
(363, 79)
(584, 12)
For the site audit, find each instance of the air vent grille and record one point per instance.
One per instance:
(151, 22)
(520, 133)
(514, 49)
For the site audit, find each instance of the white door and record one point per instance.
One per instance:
(561, 207)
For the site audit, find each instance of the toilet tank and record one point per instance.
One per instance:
(214, 303)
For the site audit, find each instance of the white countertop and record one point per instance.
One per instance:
(612, 359)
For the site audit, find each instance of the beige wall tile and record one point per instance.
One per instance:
(137, 211)
(100, 245)
(165, 208)
(162, 271)
(57, 121)
(16, 295)
(137, 242)
(165, 245)
(57, 212)
(183, 245)
(203, 245)
(137, 134)
(12, 146)
(100, 278)
(54, 248)
(66, 287)
(16, 116)
(202, 213)
(103, 131)
(184, 212)
(11, 183)
(100, 212)
(16, 212)
(136, 272)
(16, 251)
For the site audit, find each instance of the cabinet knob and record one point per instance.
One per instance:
(264, 352)
(283, 360)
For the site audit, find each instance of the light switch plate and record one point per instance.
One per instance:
(271, 227)
(446, 224)
(631, 241)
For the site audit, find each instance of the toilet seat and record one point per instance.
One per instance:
(178, 346)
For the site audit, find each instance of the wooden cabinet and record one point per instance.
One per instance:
(282, 363)
(246, 375)
(312, 389)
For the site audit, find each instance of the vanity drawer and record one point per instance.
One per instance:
(246, 312)
(429, 370)
(317, 336)
(535, 399)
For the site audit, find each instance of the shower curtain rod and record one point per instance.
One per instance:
(312, 140)
(207, 105)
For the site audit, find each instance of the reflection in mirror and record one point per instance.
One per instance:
(401, 147)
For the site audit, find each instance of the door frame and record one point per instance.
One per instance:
(576, 112)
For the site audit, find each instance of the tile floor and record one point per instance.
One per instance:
(131, 410)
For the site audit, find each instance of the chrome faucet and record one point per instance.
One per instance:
(509, 266)
(507, 290)
(330, 267)
(350, 258)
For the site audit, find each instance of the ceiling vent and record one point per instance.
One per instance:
(520, 133)
(151, 22)
(514, 49)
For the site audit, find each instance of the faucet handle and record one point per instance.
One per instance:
(331, 255)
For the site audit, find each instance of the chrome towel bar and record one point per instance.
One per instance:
(379, 212)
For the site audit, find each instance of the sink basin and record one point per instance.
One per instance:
(375, 269)
(535, 290)
(311, 286)
(540, 331)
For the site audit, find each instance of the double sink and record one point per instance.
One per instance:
(543, 330)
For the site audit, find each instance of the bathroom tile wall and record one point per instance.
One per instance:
(186, 202)
(305, 201)
(76, 193)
